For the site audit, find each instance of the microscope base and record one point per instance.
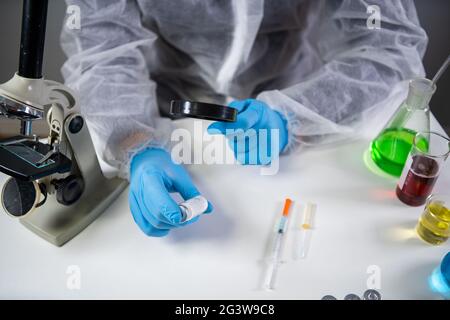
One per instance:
(58, 224)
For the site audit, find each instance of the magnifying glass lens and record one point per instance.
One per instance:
(202, 110)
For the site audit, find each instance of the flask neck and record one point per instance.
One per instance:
(420, 92)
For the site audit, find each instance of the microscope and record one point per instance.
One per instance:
(56, 187)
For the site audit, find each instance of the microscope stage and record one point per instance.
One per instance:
(21, 160)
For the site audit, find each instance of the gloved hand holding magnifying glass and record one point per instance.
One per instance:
(255, 118)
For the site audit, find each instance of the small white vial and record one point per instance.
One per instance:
(193, 208)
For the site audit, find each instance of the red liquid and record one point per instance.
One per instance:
(419, 181)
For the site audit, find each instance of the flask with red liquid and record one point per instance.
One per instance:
(427, 156)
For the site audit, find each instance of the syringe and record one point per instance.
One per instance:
(275, 257)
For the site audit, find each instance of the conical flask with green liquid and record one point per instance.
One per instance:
(390, 149)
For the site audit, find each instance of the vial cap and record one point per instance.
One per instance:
(193, 208)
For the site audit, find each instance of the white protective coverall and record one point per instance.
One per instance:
(317, 62)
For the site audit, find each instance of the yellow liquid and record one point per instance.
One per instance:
(434, 225)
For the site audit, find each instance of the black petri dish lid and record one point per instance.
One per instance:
(202, 110)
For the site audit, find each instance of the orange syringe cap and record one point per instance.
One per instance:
(287, 206)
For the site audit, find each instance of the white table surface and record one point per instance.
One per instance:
(359, 223)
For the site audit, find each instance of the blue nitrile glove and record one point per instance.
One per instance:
(256, 115)
(153, 176)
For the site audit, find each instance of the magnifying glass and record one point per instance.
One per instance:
(19, 198)
(202, 110)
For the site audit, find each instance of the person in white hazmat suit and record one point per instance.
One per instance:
(311, 71)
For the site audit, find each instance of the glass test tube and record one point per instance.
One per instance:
(434, 224)
(427, 156)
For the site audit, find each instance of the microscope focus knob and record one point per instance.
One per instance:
(69, 190)
(76, 124)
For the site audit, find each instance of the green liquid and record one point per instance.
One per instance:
(391, 148)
